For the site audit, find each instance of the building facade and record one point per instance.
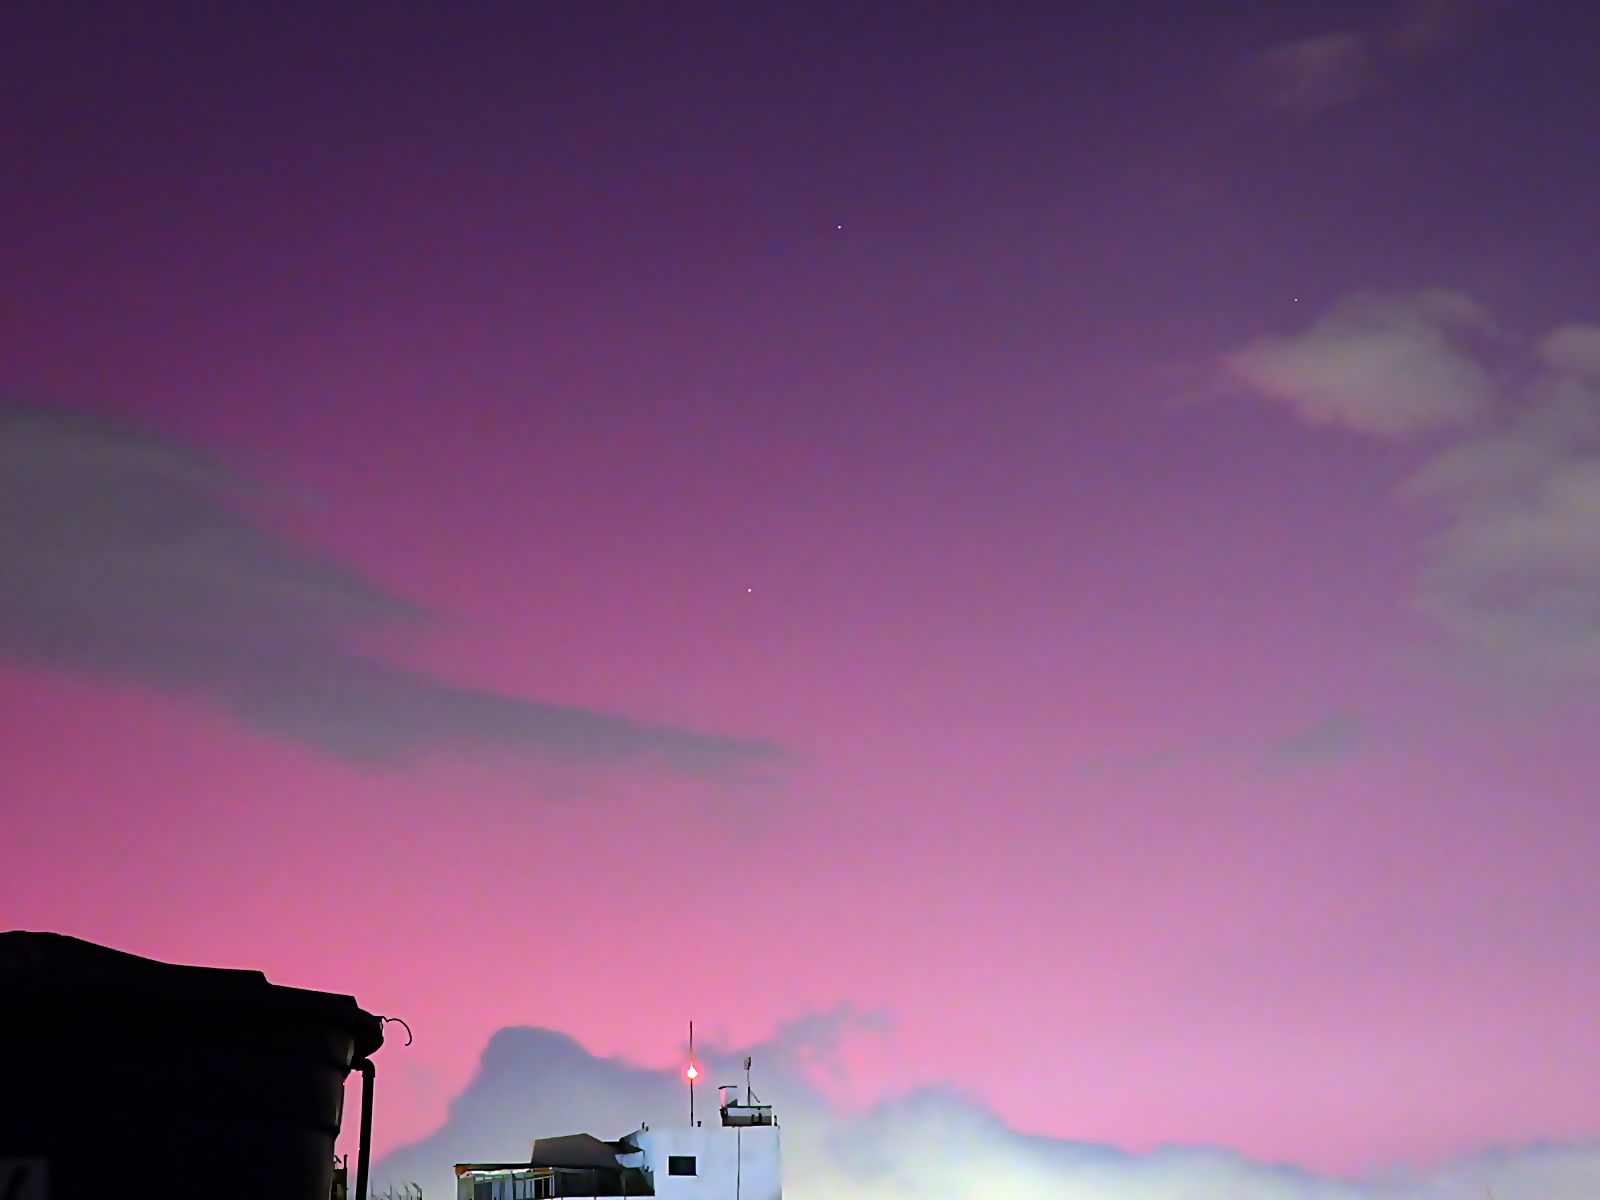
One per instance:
(737, 1158)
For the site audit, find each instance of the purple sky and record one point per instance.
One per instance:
(1073, 530)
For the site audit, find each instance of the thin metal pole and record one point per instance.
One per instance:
(692, 1070)
(365, 1162)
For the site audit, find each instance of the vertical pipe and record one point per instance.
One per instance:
(367, 1073)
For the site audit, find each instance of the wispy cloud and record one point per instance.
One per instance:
(1322, 742)
(1330, 740)
(931, 1143)
(1420, 27)
(127, 554)
(1334, 69)
(1315, 73)
(1515, 480)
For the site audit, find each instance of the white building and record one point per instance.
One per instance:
(735, 1159)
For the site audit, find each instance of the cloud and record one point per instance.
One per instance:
(1514, 568)
(1388, 366)
(1573, 348)
(1313, 74)
(930, 1143)
(1330, 740)
(1425, 27)
(1327, 740)
(129, 555)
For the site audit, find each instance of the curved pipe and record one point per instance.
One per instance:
(399, 1022)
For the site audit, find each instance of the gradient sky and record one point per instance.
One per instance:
(1071, 530)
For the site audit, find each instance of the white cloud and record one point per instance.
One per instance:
(931, 1144)
(1515, 566)
(1388, 366)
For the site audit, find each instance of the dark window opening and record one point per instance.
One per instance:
(680, 1164)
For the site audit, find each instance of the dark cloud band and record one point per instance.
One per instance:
(130, 555)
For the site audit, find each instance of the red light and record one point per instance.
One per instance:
(692, 1073)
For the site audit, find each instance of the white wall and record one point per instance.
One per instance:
(730, 1164)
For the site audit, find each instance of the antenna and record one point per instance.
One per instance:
(749, 1092)
(690, 1074)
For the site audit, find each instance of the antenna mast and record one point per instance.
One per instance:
(691, 1073)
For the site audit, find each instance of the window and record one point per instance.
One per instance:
(680, 1164)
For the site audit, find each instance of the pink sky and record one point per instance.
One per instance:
(1131, 758)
